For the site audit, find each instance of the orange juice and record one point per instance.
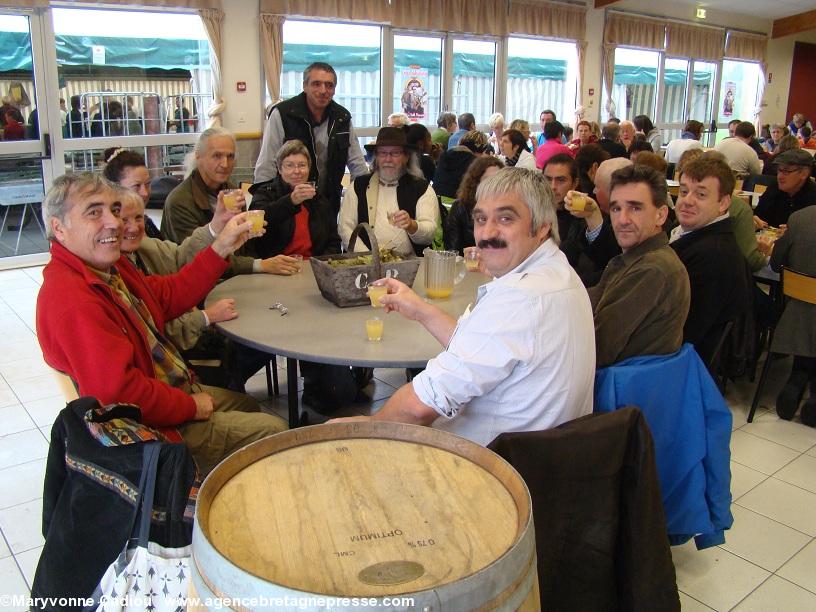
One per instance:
(375, 292)
(231, 201)
(439, 293)
(374, 329)
(578, 201)
(257, 219)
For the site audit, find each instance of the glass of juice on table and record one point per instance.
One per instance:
(374, 329)
(471, 259)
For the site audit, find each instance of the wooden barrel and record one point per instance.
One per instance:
(305, 518)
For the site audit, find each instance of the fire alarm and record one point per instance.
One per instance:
(591, 91)
(241, 86)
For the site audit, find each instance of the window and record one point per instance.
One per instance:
(634, 86)
(418, 77)
(738, 94)
(474, 75)
(352, 50)
(541, 75)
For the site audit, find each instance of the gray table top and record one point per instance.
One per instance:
(317, 330)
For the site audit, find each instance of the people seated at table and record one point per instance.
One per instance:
(524, 127)
(641, 302)
(641, 145)
(465, 122)
(451, 167)
(496, 124)
(127, 168)
(584, 135)
(689, 139)
(626, 136)
(741, 158)
(806, 139)
(552, 145)
(732, 127)
(644, 125)
(300, 221)
(445, 126)
(769, 166)
(586, 235)
(513, 147)
(775, 134)
(522, 357)
(101, 322)
(796, 331)
(609, 140)
(794, 189)
(797, 122)
(587, 160)
(704, 241)
(458, 234)
(394, 199)
(397, 120)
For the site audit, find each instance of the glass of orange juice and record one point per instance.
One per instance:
(578, 201)
(375, 292)
(231, 201)
(257, 219)
(374, 329)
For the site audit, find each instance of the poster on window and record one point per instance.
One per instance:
(414, 94)
(728, 101)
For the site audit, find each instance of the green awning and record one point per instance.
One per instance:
(640, 75)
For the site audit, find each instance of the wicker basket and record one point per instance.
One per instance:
(348, 285)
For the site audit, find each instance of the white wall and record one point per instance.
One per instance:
(780, 60)
(242, 62)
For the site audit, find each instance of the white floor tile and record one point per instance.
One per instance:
(714, 576)
(14, 419)
(787, 433)
(762, 541)
(22, 526)
(378, 390)
(758, 453)
(36, 387)
(21, 349)
(689, 604)
(783, 503)
(4, 550)
(22, 483)
(44, 411)
(21, 448)
(800, 472)
(739, 415)
(811, 452)
(46, 433)
(392, 376)
(28, 563)
(7, 397)
(23, 368)
(778, 595)
(802, 568)
(12, 583)
(743, 479)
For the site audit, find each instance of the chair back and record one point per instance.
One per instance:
(799, 286)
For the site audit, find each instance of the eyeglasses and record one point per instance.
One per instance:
(295, 166)
(391, 154)
(790, 169)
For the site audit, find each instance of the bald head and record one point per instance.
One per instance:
(603, 178)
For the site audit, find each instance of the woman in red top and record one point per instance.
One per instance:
(300, 221)
(585, 135)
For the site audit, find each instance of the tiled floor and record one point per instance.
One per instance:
(767, 563)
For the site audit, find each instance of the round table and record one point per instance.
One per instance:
(316, 330)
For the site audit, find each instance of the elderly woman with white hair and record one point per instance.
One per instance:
(496, 123)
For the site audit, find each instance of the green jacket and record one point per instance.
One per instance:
(742, 220)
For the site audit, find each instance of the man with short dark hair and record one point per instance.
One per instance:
(546, 117)
(101, 322)
(320, 123)
(609, 140)
(689, 139)
(739, 154)
(553, 137)
(586, 235)
(732, 127)
(704, 241)
(522, 357)
(641, 301)
(794, 189)
(466, 122)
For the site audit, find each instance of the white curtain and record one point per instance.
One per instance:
(212, 20)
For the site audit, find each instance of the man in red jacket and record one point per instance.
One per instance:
(101, 321)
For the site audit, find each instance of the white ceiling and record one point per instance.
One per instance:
(762, 9)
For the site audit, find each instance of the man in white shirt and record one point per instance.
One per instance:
(395, 199)
(522, 357)
(689, 139)
(741, 158)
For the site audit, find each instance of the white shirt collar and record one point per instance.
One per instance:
(678, 232)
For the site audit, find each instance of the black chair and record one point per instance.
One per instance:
(714, 366)
(796, 286)
(758, 179)
(272, 376)
(670, 168)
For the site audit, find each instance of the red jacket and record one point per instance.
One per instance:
(91, 335)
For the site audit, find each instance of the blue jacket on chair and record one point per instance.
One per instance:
(691, 427)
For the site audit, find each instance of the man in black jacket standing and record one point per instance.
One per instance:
(314, 118)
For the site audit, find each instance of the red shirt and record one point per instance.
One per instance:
(301, 242)
(14, 130)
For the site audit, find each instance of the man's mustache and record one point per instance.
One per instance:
(492, 243)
